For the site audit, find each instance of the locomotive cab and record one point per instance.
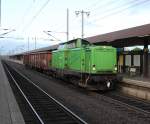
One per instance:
(102, 66)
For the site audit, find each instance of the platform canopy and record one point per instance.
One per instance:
(124, 38)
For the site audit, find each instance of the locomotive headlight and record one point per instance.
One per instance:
(94, 68)
(115, 68)
(108, 84)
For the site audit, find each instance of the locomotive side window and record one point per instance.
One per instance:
(71, 45)
(61, 46)
(84, 43)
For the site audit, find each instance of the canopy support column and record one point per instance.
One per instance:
(145, 57)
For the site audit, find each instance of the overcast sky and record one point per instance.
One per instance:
(31, 17)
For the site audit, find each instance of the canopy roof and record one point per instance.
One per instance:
(127, 37)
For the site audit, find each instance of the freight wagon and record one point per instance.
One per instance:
(38, 60)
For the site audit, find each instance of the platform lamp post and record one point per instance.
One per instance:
(82, 14)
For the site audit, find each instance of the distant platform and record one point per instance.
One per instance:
(9, 109)
(136, 86)
(143, 82)
(16, 61)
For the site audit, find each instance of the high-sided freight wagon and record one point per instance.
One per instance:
(38, 60)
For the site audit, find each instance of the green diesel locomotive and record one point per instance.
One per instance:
(85, 64)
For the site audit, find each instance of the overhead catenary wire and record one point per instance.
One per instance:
(63, 25)
(101, 4)
(108, 3)
(73, 20)
(36, 15)
(96, 19)
(7, 32)
(27, 11)
(93, 4)
(112, 7)
(48, 33)
(112, 13)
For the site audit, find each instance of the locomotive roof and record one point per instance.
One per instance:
(74, 41)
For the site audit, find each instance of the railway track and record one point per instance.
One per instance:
(43, 108)
(131, 103)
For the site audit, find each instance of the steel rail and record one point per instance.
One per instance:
(56, 101)
(127, 104)
(39, 118)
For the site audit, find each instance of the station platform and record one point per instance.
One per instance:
(139, 81)
(136, 86)
(9, 109)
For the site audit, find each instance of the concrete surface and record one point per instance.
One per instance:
(9, 109)
(142, 83)
(136, 88)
